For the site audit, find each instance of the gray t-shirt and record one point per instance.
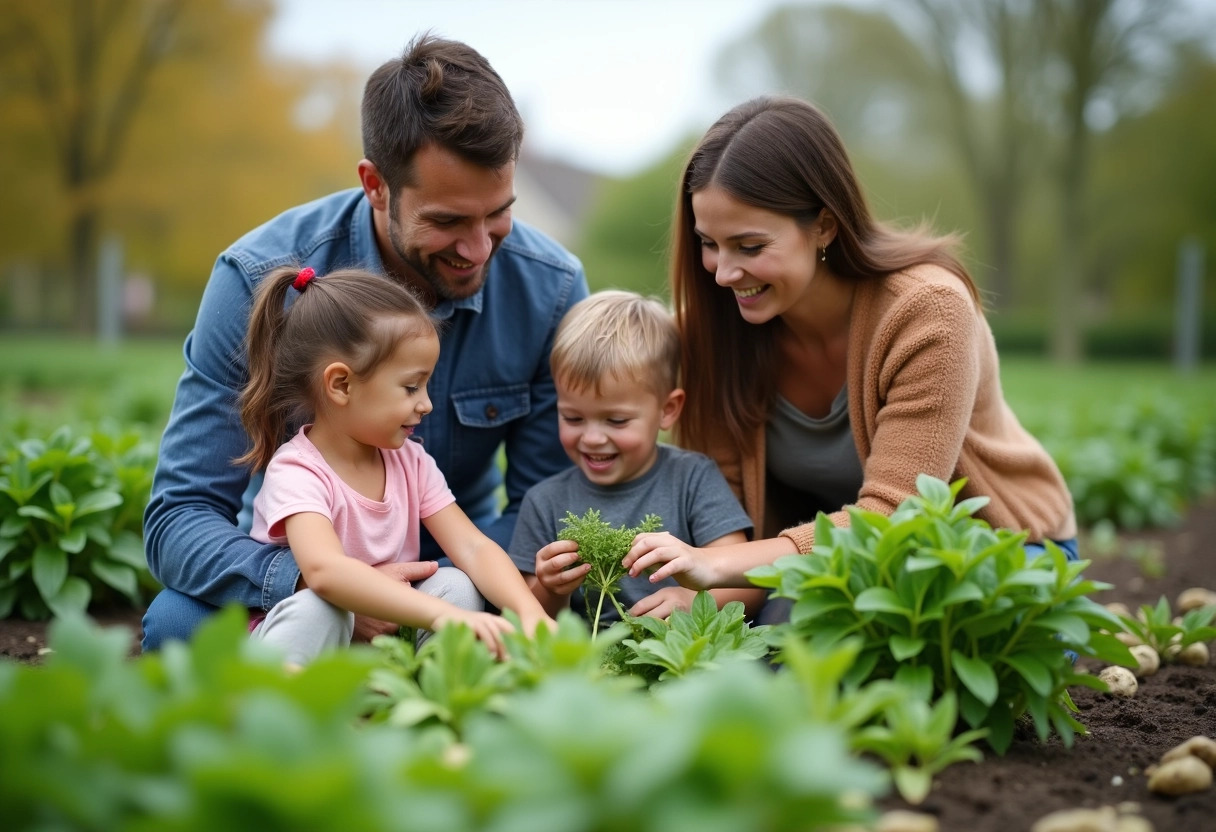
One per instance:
(684, 488)
(815, 457)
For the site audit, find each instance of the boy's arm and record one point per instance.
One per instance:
(484, 561)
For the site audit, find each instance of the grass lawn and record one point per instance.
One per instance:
(52, 380)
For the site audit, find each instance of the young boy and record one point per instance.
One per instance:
(615, 362)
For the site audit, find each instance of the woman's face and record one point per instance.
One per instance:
(766, 259)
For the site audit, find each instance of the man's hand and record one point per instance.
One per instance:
(368, 628)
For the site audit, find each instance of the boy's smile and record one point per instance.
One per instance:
(612, 434)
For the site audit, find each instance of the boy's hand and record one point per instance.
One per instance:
(558, 568)
(691, 567)
(663, 603)
(486, 626)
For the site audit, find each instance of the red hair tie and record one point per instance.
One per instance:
(306, 274)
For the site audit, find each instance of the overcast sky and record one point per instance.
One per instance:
(606, 84)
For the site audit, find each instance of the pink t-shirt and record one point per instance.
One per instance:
(299, 479)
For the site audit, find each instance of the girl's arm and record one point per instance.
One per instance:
(364, 590)
(493, 572)
(712, 566)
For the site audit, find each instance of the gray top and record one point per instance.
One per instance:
(684, 488)
(815, 456)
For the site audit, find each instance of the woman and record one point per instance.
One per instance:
(828, 358)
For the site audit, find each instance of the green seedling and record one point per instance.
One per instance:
(917, 741)
(702, 638)
(1155, 627)
(603, 546)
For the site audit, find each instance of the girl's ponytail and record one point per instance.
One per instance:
(264, 410)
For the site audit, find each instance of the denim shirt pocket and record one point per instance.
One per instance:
(491, 407)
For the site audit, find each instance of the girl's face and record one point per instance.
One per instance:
(766, 259)
(387, 405)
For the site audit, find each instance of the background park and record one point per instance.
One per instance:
(1070, 141)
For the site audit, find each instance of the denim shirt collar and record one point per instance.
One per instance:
(364, 249)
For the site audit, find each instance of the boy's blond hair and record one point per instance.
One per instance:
(619, 334)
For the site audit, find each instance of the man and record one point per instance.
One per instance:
(441, 136)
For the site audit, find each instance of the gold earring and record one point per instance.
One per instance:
(823, 254)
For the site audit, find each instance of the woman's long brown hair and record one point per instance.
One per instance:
(781, 155)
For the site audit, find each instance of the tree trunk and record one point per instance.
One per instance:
(82, 236)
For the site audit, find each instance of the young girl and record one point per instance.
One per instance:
(347, 493)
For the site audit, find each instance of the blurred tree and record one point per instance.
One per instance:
(994, 130)
(223, 138)
(87, 65)
(1107, 55)
(625, 241)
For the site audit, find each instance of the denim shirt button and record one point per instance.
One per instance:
(491, 412)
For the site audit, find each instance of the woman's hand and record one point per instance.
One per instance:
(486, 626)
(691, 567)
(558, 568)
(531, 622)
(663, 603)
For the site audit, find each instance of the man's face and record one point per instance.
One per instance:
(447, 225)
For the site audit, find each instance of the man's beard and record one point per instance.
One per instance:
(439, 285)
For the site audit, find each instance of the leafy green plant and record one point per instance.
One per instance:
(216, 734)
(917, 740)
(452, 676)
(1156, 627)
(947, 604)
(603, 546)
(704, 637)
(71, 533)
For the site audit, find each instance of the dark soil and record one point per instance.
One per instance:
(1008, 794)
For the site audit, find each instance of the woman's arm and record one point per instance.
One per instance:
(492, 571)
(710, 567)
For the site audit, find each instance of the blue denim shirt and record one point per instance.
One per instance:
(491, 388)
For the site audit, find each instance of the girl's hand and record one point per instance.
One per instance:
(558, 568)
(663, 603)
(487, 627)
(531, 622)
(690, 566)
(407, 572)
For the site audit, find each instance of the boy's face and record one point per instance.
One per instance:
(611, 435)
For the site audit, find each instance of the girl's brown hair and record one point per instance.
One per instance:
(781, 155)
(354, 316)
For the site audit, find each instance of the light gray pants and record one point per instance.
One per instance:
(305, 625)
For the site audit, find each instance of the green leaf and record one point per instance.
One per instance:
(1072, 627)
(73, 598)
(13, 526)
(905, 647)
(977, 676)
(129, 549)
(117, 575)
(41, 514)
(880, 599)
(1033, 671)
(96, 501)
(50, 569)
(73, 542)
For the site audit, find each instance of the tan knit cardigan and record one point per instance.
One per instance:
(925, 397)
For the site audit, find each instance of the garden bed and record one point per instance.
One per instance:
(1106, 768)
(1010, 793)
